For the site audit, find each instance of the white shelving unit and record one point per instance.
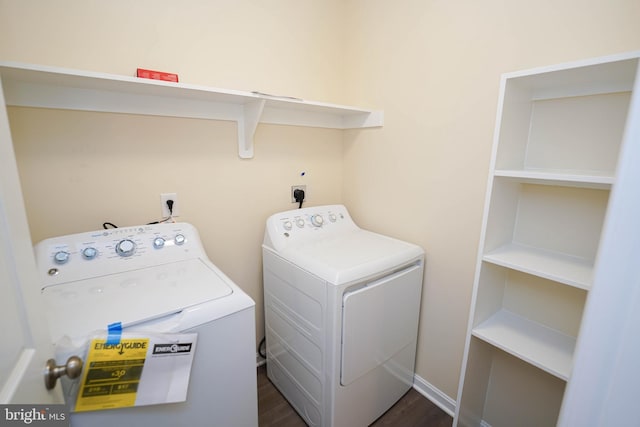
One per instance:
(49, 87)
(559, 132)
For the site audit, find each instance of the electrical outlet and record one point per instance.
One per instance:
(165, 209)
(299, 187)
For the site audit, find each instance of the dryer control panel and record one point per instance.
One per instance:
(95, 253)
(292, 227)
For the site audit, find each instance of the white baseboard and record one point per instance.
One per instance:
(434, 394)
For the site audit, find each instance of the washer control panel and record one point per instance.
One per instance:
(293, 226)
(113, 250)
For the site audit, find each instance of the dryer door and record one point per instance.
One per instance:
(378, 321)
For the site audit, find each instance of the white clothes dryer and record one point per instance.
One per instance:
(341, 315)
(156, 279)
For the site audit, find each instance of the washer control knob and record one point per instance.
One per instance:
(300, 222)
(158, 242)
(61, 257)
(332, 217)
(126, 248)
(317, 220)
(287, 225)
(180, 239)
(89, 253)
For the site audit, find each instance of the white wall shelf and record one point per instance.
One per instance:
(588, 179)
(558, 138)
(50, 87)
(543, 347)
(562, 268)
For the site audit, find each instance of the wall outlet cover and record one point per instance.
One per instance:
(165, 209)
(299, 187)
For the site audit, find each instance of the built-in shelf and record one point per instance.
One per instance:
(562, 268)
(588, 179)
(532, 342)
(560, 131)
(610, 75)
(50, 87)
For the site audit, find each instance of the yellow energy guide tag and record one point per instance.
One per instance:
(112, 374)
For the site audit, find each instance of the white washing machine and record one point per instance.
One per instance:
(341, 315)
(156, 278)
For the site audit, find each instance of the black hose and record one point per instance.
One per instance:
(262, 350)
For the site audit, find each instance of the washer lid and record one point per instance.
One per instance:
(78, 308)
(347, 257)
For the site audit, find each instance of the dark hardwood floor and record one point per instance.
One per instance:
(413, 410)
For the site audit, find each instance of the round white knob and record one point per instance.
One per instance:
(179, 239)
(61, 257)
(317, 220)
(89, 253)
(158, 242)
(300, 222)
(287, 225)
(126, 248)
(332, 217)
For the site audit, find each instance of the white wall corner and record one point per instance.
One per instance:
(434, 394)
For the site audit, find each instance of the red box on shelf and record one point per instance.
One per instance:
(157, 75)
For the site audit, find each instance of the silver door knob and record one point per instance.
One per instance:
(52, 372)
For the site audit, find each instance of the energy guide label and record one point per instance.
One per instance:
(112, 374)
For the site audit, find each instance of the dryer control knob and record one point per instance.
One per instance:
(179, 239)
(158, 242)
(300, 222)
(89, 253)
(61, 257)
(287, 225)
(317, 220)
(126, 248)
(332, 217)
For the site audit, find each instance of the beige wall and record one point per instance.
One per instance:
(433, 66)
(80, 169)
(285, 47)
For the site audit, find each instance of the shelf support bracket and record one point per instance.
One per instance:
(247, 124)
